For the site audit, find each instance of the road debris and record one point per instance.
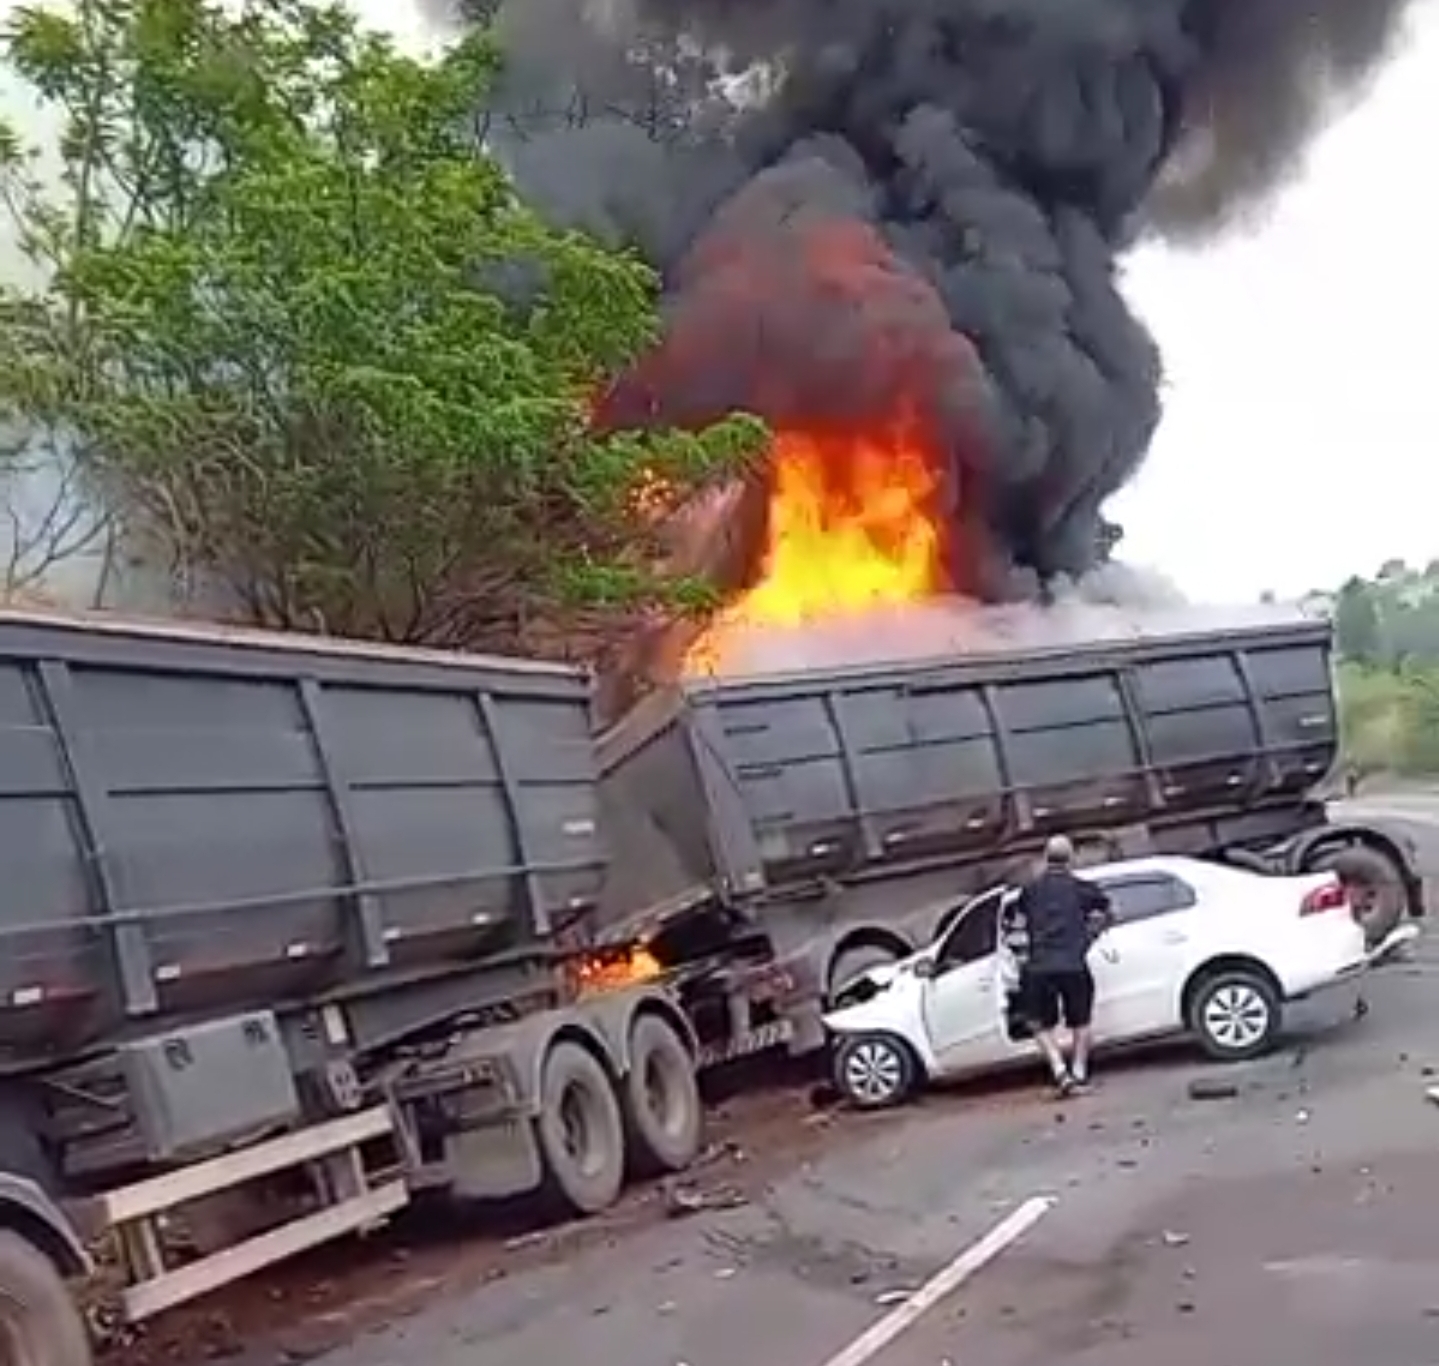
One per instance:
(683, 1200)
(1212, 1088)
(888, 1298)
(727, 1151)
(1171, 1239)
(537, 1238)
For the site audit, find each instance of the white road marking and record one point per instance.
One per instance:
(944, 1282)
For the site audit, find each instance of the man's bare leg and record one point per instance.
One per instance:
(1053, 1055)
(1079, 1055)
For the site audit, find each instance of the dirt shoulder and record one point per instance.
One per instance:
(318, 1302)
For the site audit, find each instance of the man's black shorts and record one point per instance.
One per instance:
(1050, 997)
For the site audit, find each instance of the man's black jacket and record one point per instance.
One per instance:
(1059, 916)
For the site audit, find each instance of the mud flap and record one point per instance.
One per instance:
(805, 1030)
(497, 1160)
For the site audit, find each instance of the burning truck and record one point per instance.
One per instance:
(295, 930)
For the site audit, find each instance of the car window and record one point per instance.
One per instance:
(968, 906)
(974, 936)
(1147, 895)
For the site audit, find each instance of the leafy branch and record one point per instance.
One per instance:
(297, 325)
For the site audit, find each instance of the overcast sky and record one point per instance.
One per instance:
(1303, 398)
(1303, 389)
(1303, 402)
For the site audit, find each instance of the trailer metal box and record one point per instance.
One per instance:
(760, 784)
(196, 821)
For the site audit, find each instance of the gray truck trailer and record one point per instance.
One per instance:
(294, 930)
(840, 815)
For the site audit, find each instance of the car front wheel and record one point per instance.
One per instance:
(1235, 1015)
(873, 1071)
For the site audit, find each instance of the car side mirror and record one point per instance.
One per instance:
(925, 968)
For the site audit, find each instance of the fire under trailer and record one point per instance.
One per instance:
(295, 930)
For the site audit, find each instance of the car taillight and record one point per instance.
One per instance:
(1330, 897)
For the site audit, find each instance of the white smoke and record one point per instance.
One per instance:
(947, 629)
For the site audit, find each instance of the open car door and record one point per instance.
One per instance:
(966, 992)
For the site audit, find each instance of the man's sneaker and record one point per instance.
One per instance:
(1071, 1085)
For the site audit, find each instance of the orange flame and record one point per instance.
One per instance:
(612, 970)
(851, 528)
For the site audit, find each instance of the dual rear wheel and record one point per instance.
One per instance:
(593, 1132)
(1374, 881)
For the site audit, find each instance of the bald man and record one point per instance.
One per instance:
(1061, 915)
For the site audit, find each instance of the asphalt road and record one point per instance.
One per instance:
(1413, 811)
(1294, 1221)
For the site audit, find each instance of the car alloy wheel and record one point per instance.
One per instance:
(873, 1071)
(1236, 1017)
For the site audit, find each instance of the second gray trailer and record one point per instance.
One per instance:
(839, 815)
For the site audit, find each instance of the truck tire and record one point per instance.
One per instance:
(581, 1132)
(40, 1323)
(1364, 864)
(662, 1100)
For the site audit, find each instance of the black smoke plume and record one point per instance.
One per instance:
(852, 197)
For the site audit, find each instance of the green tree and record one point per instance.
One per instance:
(295, 321)
(1356, 622)
(1372, 716)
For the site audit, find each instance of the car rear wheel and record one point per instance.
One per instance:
(873, 1071)
(1235, 1014)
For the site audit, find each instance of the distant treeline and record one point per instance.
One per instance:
(1387, 630)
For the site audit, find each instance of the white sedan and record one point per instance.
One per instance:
(1195, 947)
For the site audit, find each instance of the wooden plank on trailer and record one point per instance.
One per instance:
(158, 1193)
(244, 1259)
